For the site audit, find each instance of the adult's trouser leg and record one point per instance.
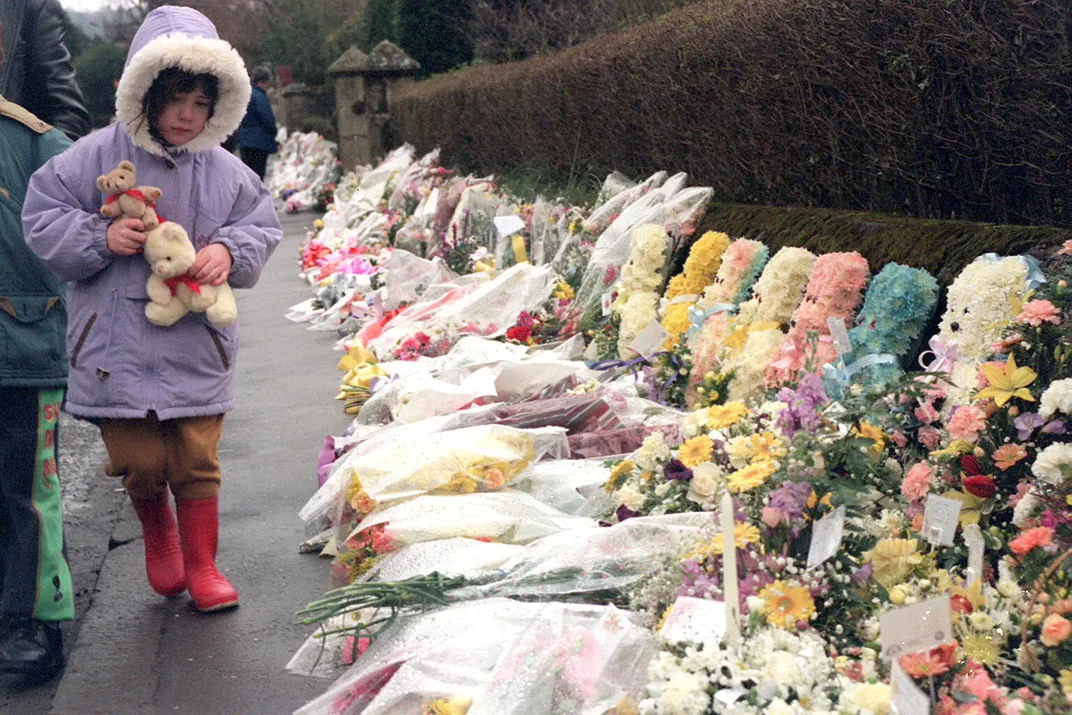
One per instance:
(36, 576)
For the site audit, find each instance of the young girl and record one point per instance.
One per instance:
(159, 394)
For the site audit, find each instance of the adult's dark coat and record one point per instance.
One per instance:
(37, 72)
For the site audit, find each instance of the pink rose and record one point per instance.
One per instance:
(966, 423)
(917, 482)
(929, 437)
(1037, 312)
(1055, 630)
(1066, 248)
(926, 413)
(899, 438)
(773, 516)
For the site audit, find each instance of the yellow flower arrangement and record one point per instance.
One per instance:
(1007, 383)
(866, 430)
(700, 268)
(460, 484)
(982, 647)
(759, 447)
(785, 605)
(894, 560)
(750, 477)
(743, 535)
(1065, 679)
(727, 415)
(563, 291)
(618, 475)
(696, 451)
(447, 706)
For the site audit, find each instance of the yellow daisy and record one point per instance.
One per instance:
(727, 415)
(696, 451)
(785, 605)
(749, 477)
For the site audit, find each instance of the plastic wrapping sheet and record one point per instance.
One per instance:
(503, 656)
(487, 309)
(615, 183)
(613, 442)
(449, 557)
(474, 217)
(485, 458)
(506, 516)
(672, 207)
(409, 276)
(410, 184)
(563, 483)
(601, 559)
(373, 186)
(604, 215)
(304, 163)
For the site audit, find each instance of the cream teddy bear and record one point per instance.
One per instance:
(979, 307)
(170, 254)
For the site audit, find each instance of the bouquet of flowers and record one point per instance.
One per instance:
(758, 330)
(835, 291)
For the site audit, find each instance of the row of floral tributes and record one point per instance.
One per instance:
(581, 480)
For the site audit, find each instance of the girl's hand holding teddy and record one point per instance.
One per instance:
(125, 236)
(212, 266)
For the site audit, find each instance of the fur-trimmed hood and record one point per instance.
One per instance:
(181, 37)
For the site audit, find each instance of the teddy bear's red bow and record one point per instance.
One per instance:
(174, 283)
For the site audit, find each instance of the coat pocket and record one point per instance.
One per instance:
(31, 334)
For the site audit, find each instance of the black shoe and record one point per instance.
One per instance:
(32, 648)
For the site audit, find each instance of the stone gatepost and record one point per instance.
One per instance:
(363, 88)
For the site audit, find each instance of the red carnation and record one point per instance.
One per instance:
(520, 333)
(970, 465)
(980, 486)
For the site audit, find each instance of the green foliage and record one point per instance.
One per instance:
(436, 33)
(97, 70)
(366, 29)
(294, 38)
(577, 188)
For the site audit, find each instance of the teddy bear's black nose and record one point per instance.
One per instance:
(954, 327)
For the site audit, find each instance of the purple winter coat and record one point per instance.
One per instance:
(121, 365)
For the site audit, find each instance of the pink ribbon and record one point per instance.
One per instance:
(944, 355)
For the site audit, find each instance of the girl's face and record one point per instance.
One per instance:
(184, 116)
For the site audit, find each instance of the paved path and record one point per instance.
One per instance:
(138, 653)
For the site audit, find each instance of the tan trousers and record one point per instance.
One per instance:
(151, 455)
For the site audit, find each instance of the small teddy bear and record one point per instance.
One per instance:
(172, 294)
(126, 199)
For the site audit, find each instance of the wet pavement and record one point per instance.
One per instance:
(132, 651)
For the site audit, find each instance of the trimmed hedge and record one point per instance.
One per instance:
(930, 108)
(942, 248)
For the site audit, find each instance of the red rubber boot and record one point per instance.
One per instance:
(163, 555)
(199, 526)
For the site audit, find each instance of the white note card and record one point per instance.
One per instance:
(650, 340)
(840, 334)
(908, 698)
(695, 620)
(607, 301)
(940, 520)
(826, 537)
(508, 225)
(921, 626)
